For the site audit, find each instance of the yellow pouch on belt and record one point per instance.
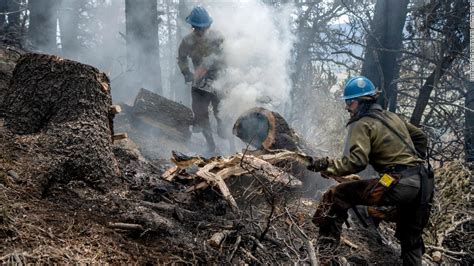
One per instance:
(386, 180)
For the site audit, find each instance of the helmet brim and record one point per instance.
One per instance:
(199, 25)
(369, 93)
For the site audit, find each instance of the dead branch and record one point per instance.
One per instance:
(126, 226)
(309, 246)
(257, 242)
(217, 238)
(349, 243)
(447, 251)
(235, 247)
(248, 254)
(217, 180)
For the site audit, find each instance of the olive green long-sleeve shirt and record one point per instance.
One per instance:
(205, 51)
(371, 142)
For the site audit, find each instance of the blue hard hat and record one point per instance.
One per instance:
(357, 87)
(199, 18)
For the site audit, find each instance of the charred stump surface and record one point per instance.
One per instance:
(265, 129)
(64, 106)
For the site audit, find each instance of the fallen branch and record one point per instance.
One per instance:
(234, 249)
(217, 238)
(248, 254)
(349, 243)
(447, 251)
(126, 226)
(215, 179)
(313, 259)
(257, 243)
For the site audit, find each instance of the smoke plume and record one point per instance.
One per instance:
(257, 46)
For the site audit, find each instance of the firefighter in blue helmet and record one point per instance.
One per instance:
(396, 150)
(204, 47)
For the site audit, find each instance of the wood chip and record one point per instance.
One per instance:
(119, 136)
(115, 109)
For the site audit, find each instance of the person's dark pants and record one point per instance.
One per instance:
(333, 207)
(200, 105)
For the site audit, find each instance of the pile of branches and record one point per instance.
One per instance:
(268, 221)
(450, 235)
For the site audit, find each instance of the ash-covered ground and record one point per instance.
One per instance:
(137, 217)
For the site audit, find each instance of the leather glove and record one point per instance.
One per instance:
(318, 164)
(200, 72)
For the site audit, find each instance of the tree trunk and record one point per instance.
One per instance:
(454, 44)
(64, 105)
(469, 123)
(383, 45)
(171, 54)
(306, 37)
(42, 27)
(14, 9)
(392, 94)
(143, 54)
(69, 27)
(183, 91)
(3, 9)
(428, 86)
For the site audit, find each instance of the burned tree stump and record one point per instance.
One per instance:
(268, 130)
(64, 105)
(158, 112)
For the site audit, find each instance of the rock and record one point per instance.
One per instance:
(436, 256)
(13, 175)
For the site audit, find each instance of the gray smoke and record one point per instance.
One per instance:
(257, 46)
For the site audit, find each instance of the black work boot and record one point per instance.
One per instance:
(329, 236)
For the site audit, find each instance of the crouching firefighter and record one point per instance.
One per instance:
(205, 49)
(396, 150)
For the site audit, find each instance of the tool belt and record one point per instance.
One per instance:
(393, 174)
(403, 170)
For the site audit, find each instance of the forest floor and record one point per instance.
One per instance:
(74, 222)
(70, 224)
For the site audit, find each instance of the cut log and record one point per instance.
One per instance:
(158, 112)
(268, 130)
(65, 104)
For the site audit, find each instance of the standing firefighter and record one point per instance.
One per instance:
(396, 150)
(204, 47)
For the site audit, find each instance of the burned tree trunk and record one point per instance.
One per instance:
(64, 106)
(383, 45)
(268, 130)
(42, 24)
(143, 50)
(157, 111)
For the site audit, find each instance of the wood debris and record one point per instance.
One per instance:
(215, 171)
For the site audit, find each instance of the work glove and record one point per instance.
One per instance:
(200, 72)
(317, 164)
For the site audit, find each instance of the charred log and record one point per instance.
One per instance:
(157, 111)
(268, 130)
